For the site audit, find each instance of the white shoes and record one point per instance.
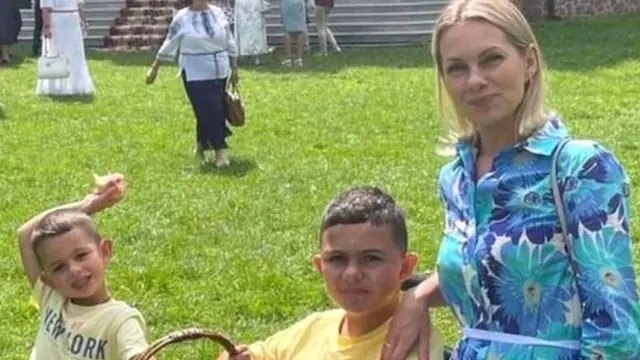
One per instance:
(290, 63)
(218, 157)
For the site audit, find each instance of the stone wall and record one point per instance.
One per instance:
(569, 8)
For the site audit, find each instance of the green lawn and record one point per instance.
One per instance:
(230, 250)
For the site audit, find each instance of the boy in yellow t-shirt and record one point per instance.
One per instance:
(65, 261)
(364, 261)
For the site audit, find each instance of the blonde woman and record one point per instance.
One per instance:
(517, 288)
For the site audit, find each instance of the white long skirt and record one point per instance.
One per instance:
(251, 27)
(66, 38)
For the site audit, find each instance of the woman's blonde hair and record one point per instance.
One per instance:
(507, 17)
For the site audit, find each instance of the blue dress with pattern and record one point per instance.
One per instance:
(503, 265)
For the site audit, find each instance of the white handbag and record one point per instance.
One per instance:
(52, 66)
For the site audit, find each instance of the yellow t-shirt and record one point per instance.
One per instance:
(109, 331)
(317, 337)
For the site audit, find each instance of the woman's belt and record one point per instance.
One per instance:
(518, 339)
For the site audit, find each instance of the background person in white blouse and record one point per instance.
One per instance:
(207, 56)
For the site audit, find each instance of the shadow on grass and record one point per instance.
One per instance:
(71, 99)
(238, 167)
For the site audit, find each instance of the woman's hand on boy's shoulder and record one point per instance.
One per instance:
(109, 190)
(410, 328)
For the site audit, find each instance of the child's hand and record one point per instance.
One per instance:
(105, 182)
(109, 190)
(243, 354)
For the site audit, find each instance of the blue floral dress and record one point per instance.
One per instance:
(503, 264)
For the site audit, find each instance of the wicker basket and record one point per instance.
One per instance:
(188, 334)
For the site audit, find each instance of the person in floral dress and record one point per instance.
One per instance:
(228, 7)
(251, 28)
(519, 288)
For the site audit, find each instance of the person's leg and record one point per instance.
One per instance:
(191, 88)
(305, 33)
(321, 27)
(551, 10)
(330, 37)
(18, 28)
(37, 29)
(305, 40)
(217, 125)
(287, 49)
(211, 114)
(299, 41)
(4, 53)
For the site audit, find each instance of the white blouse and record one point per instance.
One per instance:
(203, 41)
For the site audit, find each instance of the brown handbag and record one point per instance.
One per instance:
(235, 105)
(187, 334)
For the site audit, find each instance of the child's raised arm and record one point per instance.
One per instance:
(109, 191)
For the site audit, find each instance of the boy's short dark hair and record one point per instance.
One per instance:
(367, 204)
(59, 223)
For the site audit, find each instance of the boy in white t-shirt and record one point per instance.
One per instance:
(65, 260)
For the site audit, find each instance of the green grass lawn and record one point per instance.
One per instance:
(231, 250)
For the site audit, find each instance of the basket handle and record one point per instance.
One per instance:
(187, 334)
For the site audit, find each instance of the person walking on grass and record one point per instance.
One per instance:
(200, 36)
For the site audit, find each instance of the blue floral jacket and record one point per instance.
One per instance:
(503, 264)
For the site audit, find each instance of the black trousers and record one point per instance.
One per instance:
(10, 24)
(207, 101)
